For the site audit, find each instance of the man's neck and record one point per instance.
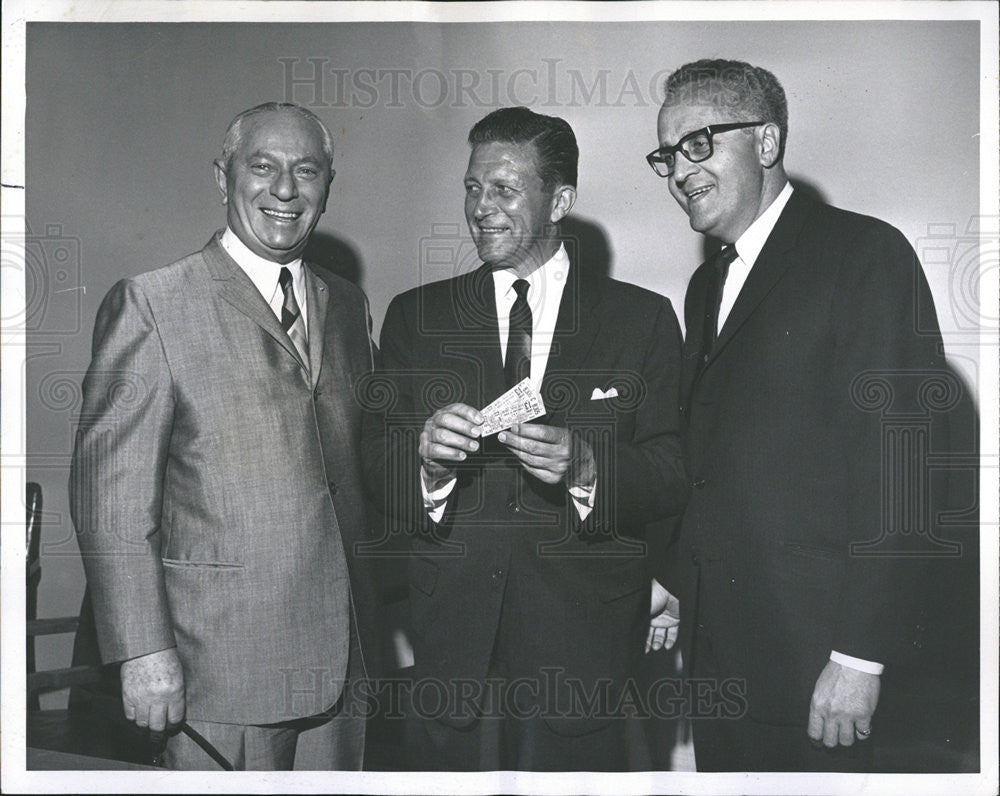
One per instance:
(541, 253)
(775, 180)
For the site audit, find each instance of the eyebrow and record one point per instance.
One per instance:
(271, 156)
(689, 132)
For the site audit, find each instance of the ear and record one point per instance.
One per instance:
(220, 179)
(326, 194)
(770, 144)
(563, 199)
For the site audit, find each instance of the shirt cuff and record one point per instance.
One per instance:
(436, 500)
(856, 663)
(583, 498)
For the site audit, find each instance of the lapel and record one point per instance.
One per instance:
(318, 301)
(774, 259)
(577, 327)
(235, 287)
(477, 337)
(695, 344)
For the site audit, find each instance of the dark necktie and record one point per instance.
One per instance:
(517, 364)
(713, 299)
(291, 317)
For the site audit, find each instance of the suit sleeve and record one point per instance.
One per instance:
(391, 429)
(116, 480)
(642, 480)
(888, 346)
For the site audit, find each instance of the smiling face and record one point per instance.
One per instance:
(724, 194)
(276, 184)
(511, 215)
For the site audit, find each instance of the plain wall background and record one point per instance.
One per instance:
(124, 120)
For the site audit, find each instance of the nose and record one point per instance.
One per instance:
(683, 168)
(284, 187)
(485, 204)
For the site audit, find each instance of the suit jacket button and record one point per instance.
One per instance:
(513, 507)
(317, 393)
(705, 358)
(333, 487)
(698, 483)
(497, 576)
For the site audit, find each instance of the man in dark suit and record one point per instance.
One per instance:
(216, 482)
(528, 588)
(796, 564)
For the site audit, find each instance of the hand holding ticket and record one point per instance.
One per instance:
(519, 404)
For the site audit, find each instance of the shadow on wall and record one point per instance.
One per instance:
(587, 245)
(334, 255)
(710, 245)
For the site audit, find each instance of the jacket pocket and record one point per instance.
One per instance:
(177, 563)
(812, 551)
(423, 575)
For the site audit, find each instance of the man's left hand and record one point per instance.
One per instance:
(842, 706)
(551, 453)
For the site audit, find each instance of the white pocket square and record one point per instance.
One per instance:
(598, 395)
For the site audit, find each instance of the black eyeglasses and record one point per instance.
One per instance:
(696, 147)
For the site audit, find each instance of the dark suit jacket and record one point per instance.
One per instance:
(581, 589)
(216, 487)
(796, 453)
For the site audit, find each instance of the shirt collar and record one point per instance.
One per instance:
(554, 270)
(262, 272)
(750, 243)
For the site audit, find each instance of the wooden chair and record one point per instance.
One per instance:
(93, 724)
(55, 679)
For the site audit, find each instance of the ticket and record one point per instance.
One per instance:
(519, 404)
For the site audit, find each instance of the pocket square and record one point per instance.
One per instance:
(599, 395)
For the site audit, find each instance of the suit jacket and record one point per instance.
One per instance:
(791, 441)
(216, 487)
(579, 590)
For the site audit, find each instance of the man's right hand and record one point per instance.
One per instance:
(449, 435)
(664, 618)
(153, 689)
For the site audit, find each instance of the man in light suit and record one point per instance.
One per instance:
(216, 484)
(528, 584)
(797, 566)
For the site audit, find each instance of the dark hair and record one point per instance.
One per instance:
(235, 131)
(552, 137)
(748, 92)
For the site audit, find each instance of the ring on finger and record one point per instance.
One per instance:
(863, 733)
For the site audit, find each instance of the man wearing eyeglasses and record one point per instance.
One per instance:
(781, 602)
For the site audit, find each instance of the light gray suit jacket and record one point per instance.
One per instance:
(215, 486)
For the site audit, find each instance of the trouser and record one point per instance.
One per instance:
(333, 740)
(741, 743)
(511, 732)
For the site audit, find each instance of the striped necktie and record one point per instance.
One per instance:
(291, 317)
(517, 363)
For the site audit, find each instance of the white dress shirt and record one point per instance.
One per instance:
(545, 289)
(748, 248)
(264, 274)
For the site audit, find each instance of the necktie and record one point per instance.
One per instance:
(291, 317)
(517, 364)
(713, 300)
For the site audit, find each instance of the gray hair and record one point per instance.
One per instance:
(747, 91)
(237, 127)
